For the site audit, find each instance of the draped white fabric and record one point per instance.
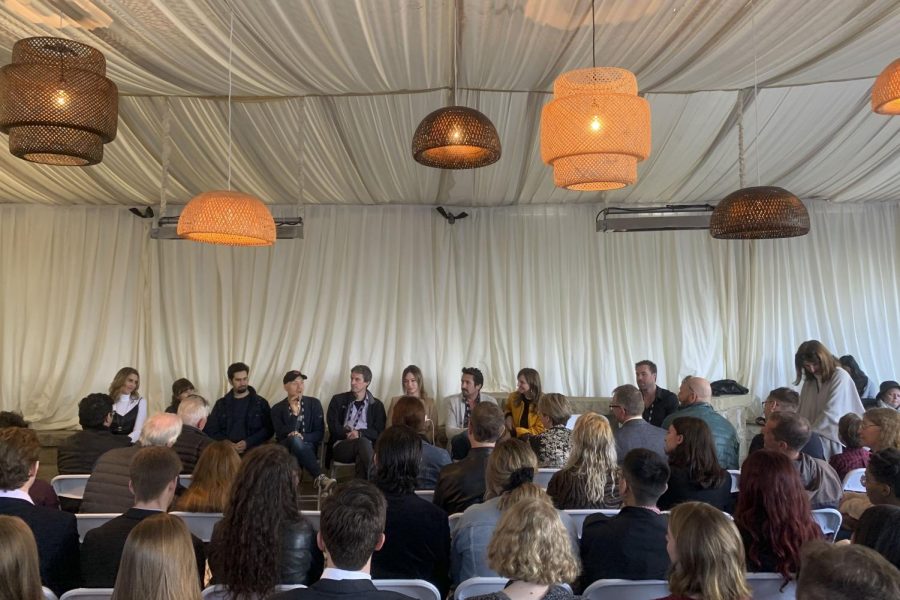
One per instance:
(87, 292)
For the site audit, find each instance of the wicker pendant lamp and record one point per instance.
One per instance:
(596, 129)
(886, 91)
(227, 217)
(56, 103)
(456, 137)
(760, 212)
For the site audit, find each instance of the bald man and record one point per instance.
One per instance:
(694, 397)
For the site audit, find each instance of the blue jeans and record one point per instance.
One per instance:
(305, 453)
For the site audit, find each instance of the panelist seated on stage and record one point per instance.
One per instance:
(458, 408)
(659, 402)
(241, 416)
(355, 420)
(300, 426)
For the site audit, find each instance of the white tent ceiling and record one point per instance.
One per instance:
(329, 93)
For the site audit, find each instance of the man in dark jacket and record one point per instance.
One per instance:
(659, 402)
(355, 420)
(300, 426)
(78, 453)
(190, 444)
(241, 416)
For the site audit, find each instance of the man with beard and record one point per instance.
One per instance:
(242, 416)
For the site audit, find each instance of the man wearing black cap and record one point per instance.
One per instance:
(300, 426)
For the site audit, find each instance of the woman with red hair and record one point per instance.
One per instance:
(773, 514)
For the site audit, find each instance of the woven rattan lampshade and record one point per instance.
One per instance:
(56, 103)
(595, 130)
(227, 218)
(886, 91)
(756, 213)
(456, 137)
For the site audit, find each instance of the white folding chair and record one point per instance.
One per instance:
(580, 514)
(426, 495)
(735, 480)
(88, 521)
(624, 589)
(70, 486)
(570, 424)
(220, 592)
(768, 586)
(200, 524)
(829, 521)
(542, 477)
(185, 480)
(335, 465)
(48, 593)
(479, 586)
(88, 594)
(853, 481)
(414, 588)
(454, 522)
(314, 517)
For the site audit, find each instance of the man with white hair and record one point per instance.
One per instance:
(694, 396)
(193, 412)
(107, 488)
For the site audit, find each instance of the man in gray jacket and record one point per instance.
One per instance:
(627, 406)
(459, 407)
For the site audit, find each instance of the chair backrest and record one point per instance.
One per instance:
(200, 524)
(185, 480)
(735, 480)
(542, 477)
(70, 486)
(454, 522)
(48, 593)
(570, 424)
(479, 586)
(88, 521)
(426, 495)
(314, 517)
(853, 481)
(220, 592)
(829, 521)
(414, 588)
(767, 586)
(580, 514)
(88, 594)
(623, 589)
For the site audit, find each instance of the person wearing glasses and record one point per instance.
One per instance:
(785, 399)
(627, 407)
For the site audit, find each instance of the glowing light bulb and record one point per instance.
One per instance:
(596, 124)
(61, 99)
(455, 135)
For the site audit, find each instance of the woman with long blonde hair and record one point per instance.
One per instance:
(158, 562)
(707, 555)
(589, 478)
(19, 570)
(129, 408)
(880, 429)
(211, 482)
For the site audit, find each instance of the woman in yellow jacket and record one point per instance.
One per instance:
(522, 417)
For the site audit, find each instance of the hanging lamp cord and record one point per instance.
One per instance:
(755, 89)
(593, 36)
(230, 49)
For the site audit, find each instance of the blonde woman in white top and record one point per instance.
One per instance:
(129, 408)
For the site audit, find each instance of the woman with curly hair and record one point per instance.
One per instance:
(211, 482)
(521, 409)
(129, 408)
(19, 569)
(589, 478)
(553, 445)
(707, 555)
(695, 473)
(158, 562)
(529, 547)
(262, 539)
(508, 479)
(880, 429)
(773, 514)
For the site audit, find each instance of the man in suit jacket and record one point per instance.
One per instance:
(153, 478)
(55, 532)
(627, 406)
(351, 530)
(355, 420)
(192, 441)
(632, 544)
(78, 453)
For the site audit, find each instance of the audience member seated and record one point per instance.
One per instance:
(694, 398)
(889, 395)
(158, 562)
(627, 406)
(785, 399)
(461, 484)
(54, 531)
(707, 555)
(352, 529)
(300, 427)
(19, 569)
(846, 572)
(865, 385)
(153, 477)
(882, 480)
(107, 489)
(409, 411)
(417, 533)
(211, 484)
(878, 529)
(880, 429)
(522, 418)
(854, 455)
(459, 407)
(529, 548)
(191, 442)
(41, 492)
(510, 471)
(181, 389)
(787, 433)
(695, 470)
(632, 544)
(773, 514)
(78, 453)
(553, 444)
(262, 539)
(413, 384)
(589, 478)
